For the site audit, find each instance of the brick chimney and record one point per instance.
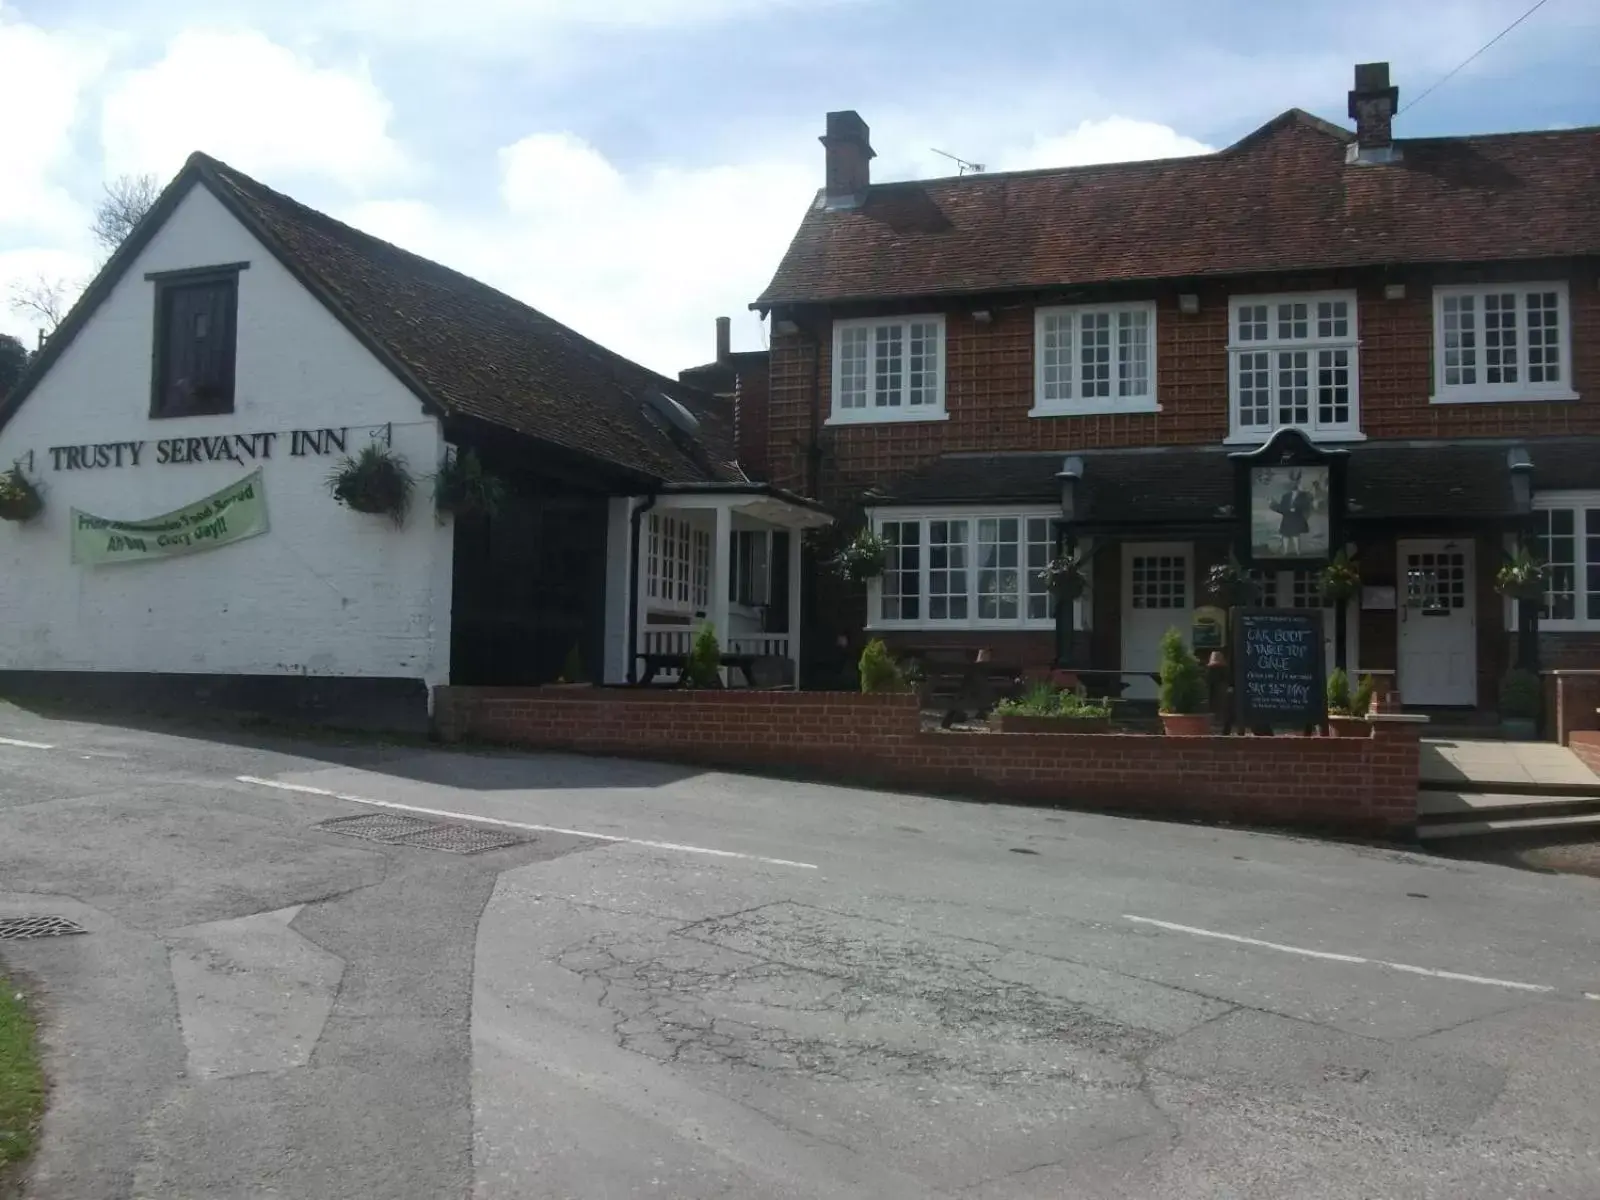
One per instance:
(724, 339)
(849, 157)
(1373, 102)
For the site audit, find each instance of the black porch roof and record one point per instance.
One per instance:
(1186, 485)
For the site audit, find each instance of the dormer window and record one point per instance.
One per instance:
(195, 341)
(1292, 360)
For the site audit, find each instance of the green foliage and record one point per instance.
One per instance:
(1522, 576)
(1045, 700)
(1361, 702)
(19, 498)
(13, 362)
(374, 481)
(879, 672)
(572, 668)
(863, 557)
(464, 488)
(21, 1080)
(1183, 680)
(1230, 584)
(1339, 692)
(703, 666)
(1066, 576)
(1521, 695)
(1340, 579)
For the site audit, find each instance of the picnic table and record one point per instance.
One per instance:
(656, 664)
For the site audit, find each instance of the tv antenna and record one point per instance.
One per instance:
(962, 165)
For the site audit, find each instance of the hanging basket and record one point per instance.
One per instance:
(1340, 579)
(375, 481)
(1064, 576)
(19, 498)
(1522, 576)
(864, 557)
(462, 488)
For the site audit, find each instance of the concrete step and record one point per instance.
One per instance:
(1505, 825)
(1444, 808)
(1509, 787)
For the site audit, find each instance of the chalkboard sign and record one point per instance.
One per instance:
(1279, 668)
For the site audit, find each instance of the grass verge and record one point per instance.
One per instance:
(21, 1081)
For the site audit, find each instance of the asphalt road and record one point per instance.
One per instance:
(691, 984)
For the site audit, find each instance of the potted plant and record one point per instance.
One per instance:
(373, 481)
(1343, 720)
(1340, 579)
(1045, 709)
(865, 556)
(463, 488)
(571, 670)
(1361, 702)
(19, 497)
(1230, 584)
(702, 667)
(1522, 576)
(1065, 576)
(1183, 690)
(1521, 698)
(878, 670)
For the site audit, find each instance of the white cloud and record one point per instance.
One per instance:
(1114, 139)
(255, 104)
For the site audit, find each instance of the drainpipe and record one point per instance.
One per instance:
(633, 586)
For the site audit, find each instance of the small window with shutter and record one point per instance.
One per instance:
(196, 320)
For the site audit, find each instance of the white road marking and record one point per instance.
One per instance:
(5, 741)
(1344, 958)
(461, 816)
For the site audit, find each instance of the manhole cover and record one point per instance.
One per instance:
(16, 929)
(461, 839)
(378, 827)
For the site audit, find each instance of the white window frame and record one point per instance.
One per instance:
(874, 413)
(1580, 504)
(762, 577)
(1481, 392)
(1272, 345)
(1076, 404)
(972, 515)
(677, 564)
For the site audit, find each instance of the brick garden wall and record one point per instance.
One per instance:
(1586, 745)
(1356, 785)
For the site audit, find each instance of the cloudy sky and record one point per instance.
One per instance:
(636, 167)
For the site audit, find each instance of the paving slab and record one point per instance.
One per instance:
(1486, 763)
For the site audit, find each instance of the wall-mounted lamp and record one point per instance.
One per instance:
(1071, 471)
(1394, 291)
(1189, 303)
(982, 316)
(785, 327)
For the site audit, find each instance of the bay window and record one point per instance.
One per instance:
(1293, 360)
(1501, 341)
(970, 569)
(677, 564)
(1094, 358)
(1566, 535)
(888, 369)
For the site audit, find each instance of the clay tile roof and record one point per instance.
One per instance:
(1281, 199)
(478, 353)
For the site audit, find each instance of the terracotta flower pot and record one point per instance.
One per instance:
(1345, 725)
(1186, 724)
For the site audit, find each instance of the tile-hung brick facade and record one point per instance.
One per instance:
(943, 349)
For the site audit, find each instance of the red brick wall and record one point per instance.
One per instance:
(1586, 745)
(1570, 704)
(751, 413)
(989, 380)
(1364, 785)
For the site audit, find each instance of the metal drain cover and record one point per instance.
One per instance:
(461, 839)
(378, 827)
(394, 830)
(17, 929)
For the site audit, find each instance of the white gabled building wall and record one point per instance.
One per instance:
(326, 592)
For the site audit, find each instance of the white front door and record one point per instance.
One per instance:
(1438, 634)
(1157, 595)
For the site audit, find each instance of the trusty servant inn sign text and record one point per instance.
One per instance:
(227, 447)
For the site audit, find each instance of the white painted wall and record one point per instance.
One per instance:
(619, 585)
(325, 592)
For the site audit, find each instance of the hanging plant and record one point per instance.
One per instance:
(374, 481)
(1340, 579)
(464, 488)
(1065, 575)
(1230, 584)
(1522, 576)
(864, 557)
(19, 498)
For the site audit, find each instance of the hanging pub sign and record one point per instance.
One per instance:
(1291, 501)
(236, 512)
(1279, 668)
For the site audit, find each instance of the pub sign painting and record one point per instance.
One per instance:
(1290, 510)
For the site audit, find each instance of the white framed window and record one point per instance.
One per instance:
(1294, 360)
(750, 568)
(677, 564)
(888, 369)
(1566, 535)
(1094, 358)
(1502, 341)
(964, 569)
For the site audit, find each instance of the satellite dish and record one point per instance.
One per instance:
(679, 417)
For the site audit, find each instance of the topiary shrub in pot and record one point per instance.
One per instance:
(374, 481)
(1343, 720)
(19, 498)
(1521, 699)
(879, 672)
(1361, 702)
(1183, 689)
(702, 667)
